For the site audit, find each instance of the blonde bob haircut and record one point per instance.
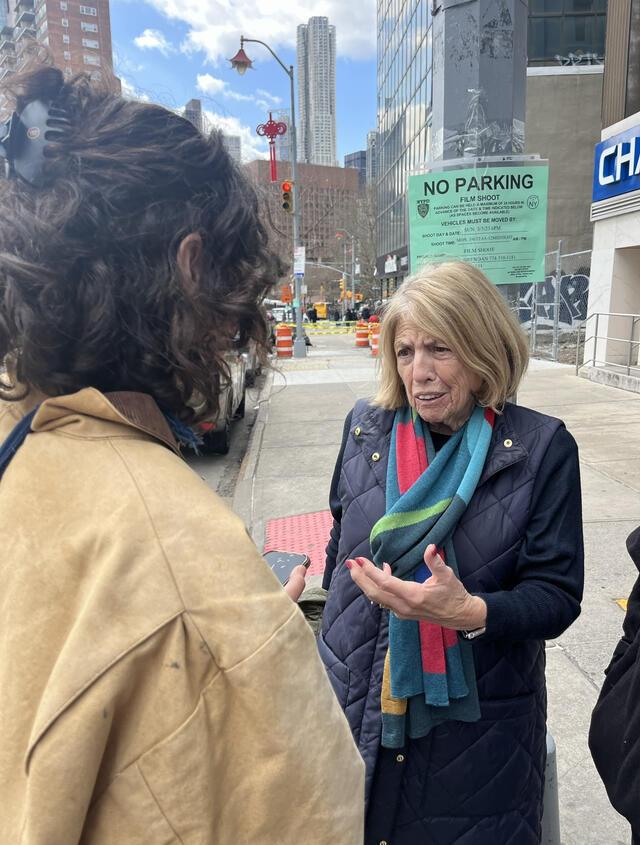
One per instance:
(457, 305)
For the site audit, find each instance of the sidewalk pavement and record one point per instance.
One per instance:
(287, 471)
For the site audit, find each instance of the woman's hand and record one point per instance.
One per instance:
(296, 583)
(441, 599)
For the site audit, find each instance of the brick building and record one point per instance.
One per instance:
(77, 36)
(328, 199)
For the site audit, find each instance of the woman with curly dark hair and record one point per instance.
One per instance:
(153, 674)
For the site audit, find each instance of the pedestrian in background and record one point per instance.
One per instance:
(154, 676)
(470, 508)
(614, 738)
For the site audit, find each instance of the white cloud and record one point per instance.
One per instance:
(215, 26)
(270, 98)
(130, 92)
(153, 39)
(239, 98)
(209, 84)
(252, 146)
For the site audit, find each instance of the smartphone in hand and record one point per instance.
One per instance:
(283, 563)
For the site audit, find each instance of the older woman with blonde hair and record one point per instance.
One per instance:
(456, 552)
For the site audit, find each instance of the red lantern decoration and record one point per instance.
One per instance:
(271, 130)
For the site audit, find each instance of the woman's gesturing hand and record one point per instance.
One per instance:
(441, 599)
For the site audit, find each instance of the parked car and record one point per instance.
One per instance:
(216, 433)
(253, 365)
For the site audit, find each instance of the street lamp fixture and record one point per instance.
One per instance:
(241, 62)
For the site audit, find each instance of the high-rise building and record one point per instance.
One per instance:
(77, 37)
(372, 157)
(317, 92)
(193, 113)
(283, 142)
(358, 161)
(233, 143)
(563, 97)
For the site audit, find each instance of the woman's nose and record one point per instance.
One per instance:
(423, 369)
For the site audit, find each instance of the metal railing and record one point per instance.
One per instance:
(632, 343)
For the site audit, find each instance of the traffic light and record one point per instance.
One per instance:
(287, 196)
(342, 284)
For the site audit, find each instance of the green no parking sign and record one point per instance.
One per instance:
(493, 217)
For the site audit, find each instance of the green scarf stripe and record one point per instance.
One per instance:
(391, 521)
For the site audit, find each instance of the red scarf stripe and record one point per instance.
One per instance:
(411, 456)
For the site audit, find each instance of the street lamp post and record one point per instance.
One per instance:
(241, 62)
(353, 262)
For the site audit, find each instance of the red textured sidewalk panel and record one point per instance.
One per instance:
(307, 533)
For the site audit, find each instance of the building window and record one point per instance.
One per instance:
(88, 27)
(566, 32)
(67, 56)
(65, 23)
(89, 10)
(66, 39)
(63, 6)
(96, 75)
(42, 11)
(68, 72)
(91, 60)
(89, 42)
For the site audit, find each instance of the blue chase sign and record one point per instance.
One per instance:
(617, 165)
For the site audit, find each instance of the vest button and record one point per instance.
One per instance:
(508, 443)
(375, 456)
(357, 431)
(400, 758)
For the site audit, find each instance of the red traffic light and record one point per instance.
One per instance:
(287, 187)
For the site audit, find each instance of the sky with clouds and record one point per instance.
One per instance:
(168, 51)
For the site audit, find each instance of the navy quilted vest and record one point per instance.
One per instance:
(480, 783)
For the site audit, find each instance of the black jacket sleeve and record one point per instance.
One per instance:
(335, 505)
(550, 568)
(614, 737)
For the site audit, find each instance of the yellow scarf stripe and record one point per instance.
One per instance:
(395, 706)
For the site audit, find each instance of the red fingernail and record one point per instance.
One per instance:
(360, 561)
(348, 564)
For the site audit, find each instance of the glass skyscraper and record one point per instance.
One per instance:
(404, 118)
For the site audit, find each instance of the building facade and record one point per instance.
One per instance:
(193, 113)
(563, 96)
(372, 157)
(77, 36)
(612, 333)
(233, 143)
(283, 142)
(358, 161)
(316, 55)
(328, 199)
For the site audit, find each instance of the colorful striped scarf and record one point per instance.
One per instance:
(429, 676)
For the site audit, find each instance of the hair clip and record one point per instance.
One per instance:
(25, 141)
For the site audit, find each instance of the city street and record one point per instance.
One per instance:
(287, 471)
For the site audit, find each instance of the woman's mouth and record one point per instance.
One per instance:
(428, 398)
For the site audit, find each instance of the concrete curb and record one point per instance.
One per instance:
(243, 497)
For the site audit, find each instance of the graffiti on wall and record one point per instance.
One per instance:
(574, 290)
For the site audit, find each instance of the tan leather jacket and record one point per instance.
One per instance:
(157, 686)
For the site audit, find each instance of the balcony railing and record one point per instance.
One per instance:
(24, 34)
(26, 18)
(7, 45)
(7, 60)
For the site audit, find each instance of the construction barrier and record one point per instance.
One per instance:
(374, 337)
(284, 341)
(362, 335)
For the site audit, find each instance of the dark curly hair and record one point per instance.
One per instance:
(91, 293)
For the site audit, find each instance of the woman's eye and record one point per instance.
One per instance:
(402, 353)
(441, 349)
